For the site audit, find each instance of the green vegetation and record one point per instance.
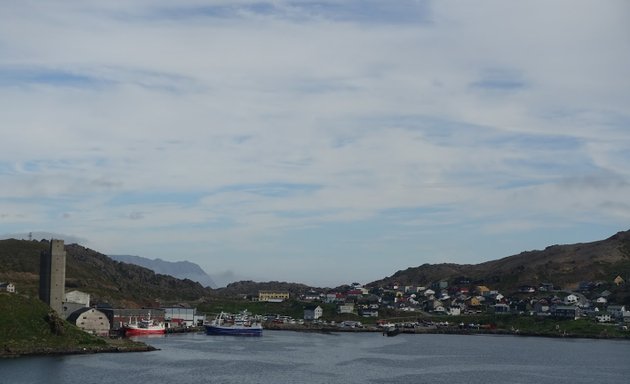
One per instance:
(541, 326)
(118, 284)
(28, 326)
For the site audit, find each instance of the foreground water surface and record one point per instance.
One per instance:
(292, 357)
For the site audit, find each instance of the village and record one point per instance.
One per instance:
(360, 307)
(442, 302)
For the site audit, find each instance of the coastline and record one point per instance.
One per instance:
(112, 346)
(442, 331)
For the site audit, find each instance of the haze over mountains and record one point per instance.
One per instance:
(179, 269)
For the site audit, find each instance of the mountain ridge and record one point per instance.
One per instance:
(179, 269)
(565, 265)
(128, 284)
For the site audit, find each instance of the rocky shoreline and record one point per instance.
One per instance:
(113, 346)
(439, 330)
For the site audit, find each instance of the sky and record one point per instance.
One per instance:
(321, 142)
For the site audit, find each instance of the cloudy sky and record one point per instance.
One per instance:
(321, 142)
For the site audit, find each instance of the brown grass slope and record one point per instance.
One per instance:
(562, 265)
(92, 272)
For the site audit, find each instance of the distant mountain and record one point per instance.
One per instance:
(179, 269)
(107, 280)
(563, 265)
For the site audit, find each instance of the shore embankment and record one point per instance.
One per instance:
(112, 346)
(452, 330)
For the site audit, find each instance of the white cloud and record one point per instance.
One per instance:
(223, 127)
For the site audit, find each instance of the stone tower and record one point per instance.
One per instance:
(52, 275)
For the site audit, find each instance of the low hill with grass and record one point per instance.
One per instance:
(30, 327)
(565, 266)
(106, 280)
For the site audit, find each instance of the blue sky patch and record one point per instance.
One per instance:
(59, 78)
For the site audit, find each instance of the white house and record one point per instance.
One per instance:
(78, 297)
(571, 299)
(313, 312)
(454, 311)
(73, 301)
(603, 318)
(7, 287)
(345, 308)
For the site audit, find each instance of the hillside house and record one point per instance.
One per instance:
(618, 280)
(345, 308)
(439, 285)
(334, 298)
(272, 296)
(368, 312)
(482, 290)
(541, 307)
(545, 287)
(311, 296)
(526, 289)
(501, 308)
(603, 317)
(566, 312)
(454, 311)
(7, 287)
(313, 312)
(616, 311)
(571, 299)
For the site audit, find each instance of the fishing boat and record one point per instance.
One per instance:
(391, 331)
(146, 326)
(240, 325)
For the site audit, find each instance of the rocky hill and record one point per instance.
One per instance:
(125, 284)
(106, 280)
(563, 265)
(179, 269)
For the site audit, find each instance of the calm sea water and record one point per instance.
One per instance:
(291, 357)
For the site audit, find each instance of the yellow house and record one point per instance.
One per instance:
(473, 302)
(272, 296)
(482, 289)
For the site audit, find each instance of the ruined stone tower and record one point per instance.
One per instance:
(52, 275)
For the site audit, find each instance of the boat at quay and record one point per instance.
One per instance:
(240, 325)
(146, 326)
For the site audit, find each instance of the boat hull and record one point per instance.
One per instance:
(233, 331)
(144, 331)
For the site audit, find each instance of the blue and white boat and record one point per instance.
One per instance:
(235, 326)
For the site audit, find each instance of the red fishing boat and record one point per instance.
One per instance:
(146, 326)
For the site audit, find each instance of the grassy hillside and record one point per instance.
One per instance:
(28, 326)
(563, 265)
(92, 272)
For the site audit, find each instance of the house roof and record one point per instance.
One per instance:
(75, 315)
